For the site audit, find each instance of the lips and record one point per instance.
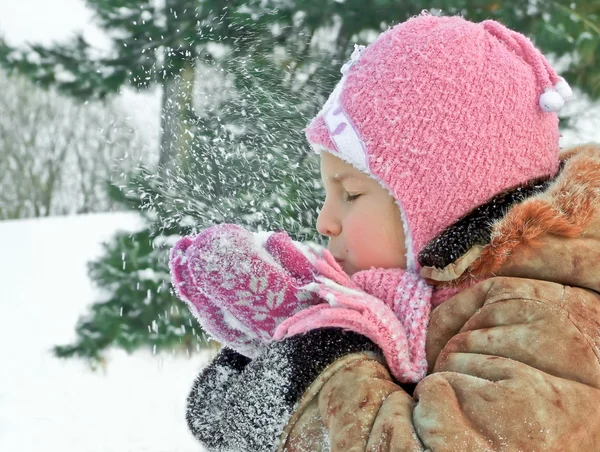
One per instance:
(340, 262)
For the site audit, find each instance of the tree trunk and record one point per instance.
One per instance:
(176, 127)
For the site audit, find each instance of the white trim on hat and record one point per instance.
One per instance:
(345, 136)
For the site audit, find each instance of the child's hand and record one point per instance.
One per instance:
(241, 285)
(321, 260)
(327, 266)
(401, 341)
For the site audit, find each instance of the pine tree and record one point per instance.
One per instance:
(139, 312)
(240, 164)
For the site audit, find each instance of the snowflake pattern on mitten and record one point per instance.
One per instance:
(235, 285)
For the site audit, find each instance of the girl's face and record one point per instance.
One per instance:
(360, 218)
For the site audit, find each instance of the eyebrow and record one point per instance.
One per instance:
(338, 177)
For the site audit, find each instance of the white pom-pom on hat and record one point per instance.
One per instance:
(554, 98)
(551, 101)
(563, 88)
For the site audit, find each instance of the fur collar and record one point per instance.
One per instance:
(479, 244)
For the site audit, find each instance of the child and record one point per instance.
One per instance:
(455, 124)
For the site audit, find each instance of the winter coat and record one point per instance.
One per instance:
(513, 359)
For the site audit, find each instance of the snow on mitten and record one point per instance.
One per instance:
(236, 286)
(398, 326)
(328, 267)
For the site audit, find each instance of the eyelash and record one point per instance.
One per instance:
(350, 198)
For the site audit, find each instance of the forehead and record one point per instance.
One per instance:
(334, 168)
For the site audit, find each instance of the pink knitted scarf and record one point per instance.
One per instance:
(393, 311)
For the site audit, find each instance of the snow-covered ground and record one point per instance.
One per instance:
(47, 404)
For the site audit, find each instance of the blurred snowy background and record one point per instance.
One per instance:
(124, 124)
(136, 403)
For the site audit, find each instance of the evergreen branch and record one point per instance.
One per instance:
(582, 18)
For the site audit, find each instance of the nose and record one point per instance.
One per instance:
(328, 222)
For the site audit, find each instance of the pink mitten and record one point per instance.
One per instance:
(326, 266)
(399, 330)
(241, 285)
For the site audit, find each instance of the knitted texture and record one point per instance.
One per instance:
(445, 113)
(241, 285)
(398, 325)
(411, 300)
(380, 282)
(409, 297)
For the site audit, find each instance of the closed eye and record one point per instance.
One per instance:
(348, 197)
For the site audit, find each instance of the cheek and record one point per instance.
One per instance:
(372, 241)
(358, 234)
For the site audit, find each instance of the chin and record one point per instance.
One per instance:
(348, 269)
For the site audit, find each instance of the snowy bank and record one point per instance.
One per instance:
(47, 404)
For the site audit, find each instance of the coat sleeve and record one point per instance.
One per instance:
(515, 367)
(205, 404)
(242, 405)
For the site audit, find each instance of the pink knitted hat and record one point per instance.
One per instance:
(445, 114)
